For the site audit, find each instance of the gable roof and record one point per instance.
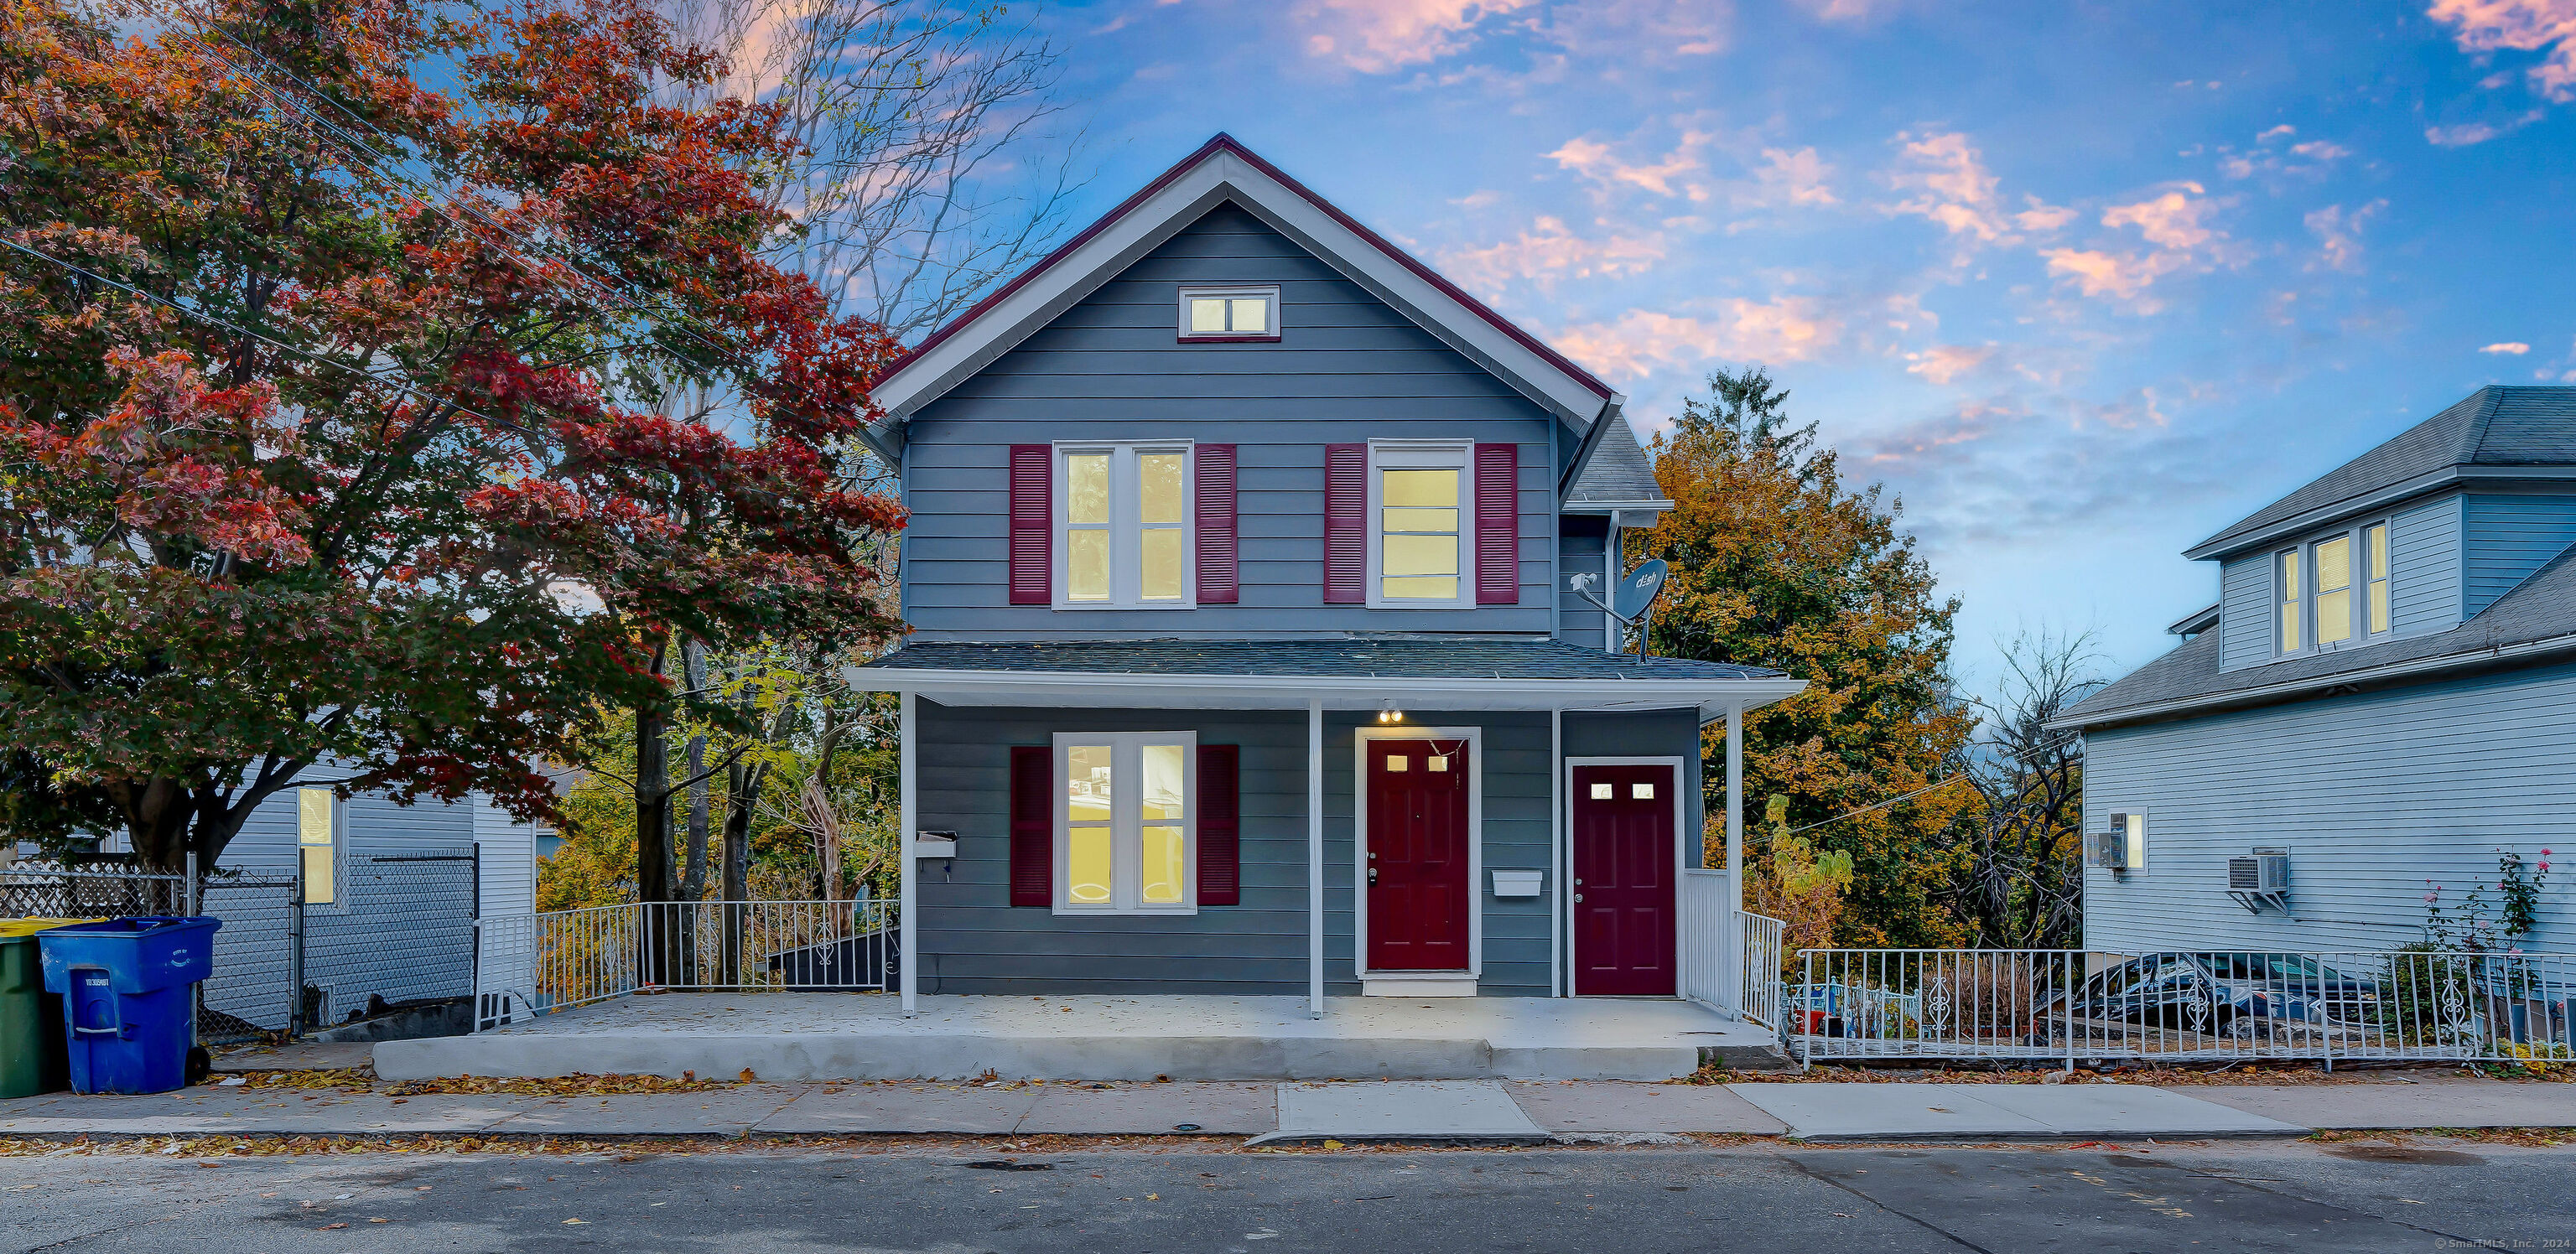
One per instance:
(2496, 432)
(2533, 624)
(1614, 473)
(1223, 170)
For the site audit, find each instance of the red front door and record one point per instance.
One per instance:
(1624, 886)
(1416, 864)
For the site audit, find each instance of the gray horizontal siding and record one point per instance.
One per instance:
(1346, 369)
(973, 941)
(2376, 796)
(2245, 612)
(2506, 538)
(2424, 566)
(1581, 551)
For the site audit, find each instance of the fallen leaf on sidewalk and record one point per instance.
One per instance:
(576, 1221)
(328, 1227)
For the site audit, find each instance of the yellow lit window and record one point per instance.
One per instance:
(1418, 535)
(1124, 516)
(2288, 582)
(1127, 821)
(2374, 542)
(1235, 313)
(317, 844)
(2334, 590)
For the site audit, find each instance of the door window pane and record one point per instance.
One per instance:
(2334, 590)
(1601, 792)
(1641, 792)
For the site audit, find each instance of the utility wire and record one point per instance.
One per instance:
(1880, 805)
(279, 345)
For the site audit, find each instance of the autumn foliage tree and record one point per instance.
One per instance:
(1776, 563)
(334, 341)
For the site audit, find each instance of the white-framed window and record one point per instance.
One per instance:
(2333, 591)
(1230, 315)
(1422, 536)
(318, 837)
(1122, 525)
(1126, 823)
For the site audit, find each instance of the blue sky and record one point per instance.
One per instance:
(2082, 283)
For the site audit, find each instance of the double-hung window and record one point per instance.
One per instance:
(1422, 548)
(1123, 519)
(2332, 591)
(1126, 819)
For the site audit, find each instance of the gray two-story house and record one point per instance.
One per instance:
(2381, 704)
(1245, 652)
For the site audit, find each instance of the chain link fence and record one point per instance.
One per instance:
(398, 930)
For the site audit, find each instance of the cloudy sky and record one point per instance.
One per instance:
(2081, 282)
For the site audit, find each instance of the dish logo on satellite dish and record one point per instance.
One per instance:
(1638, 590)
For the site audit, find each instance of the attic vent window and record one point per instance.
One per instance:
(1229, 315)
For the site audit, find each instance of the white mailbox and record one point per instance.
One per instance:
(934, 844)
(1517, 883)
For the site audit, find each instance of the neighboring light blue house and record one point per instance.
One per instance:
(1245, 655)
(2383, 699)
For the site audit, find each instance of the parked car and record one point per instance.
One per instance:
(2237, 994)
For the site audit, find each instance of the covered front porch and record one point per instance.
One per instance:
(825, 1036)
(1306, 731)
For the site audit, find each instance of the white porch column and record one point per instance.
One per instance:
(1557, 851)
(1315, 858)
(1732, 938)
(908, 924)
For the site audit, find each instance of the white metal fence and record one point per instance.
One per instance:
(1708, 961)
(1761, 968)
(536, 963)
(2068, 1006)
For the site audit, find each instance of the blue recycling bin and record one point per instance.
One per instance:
(126, 1005)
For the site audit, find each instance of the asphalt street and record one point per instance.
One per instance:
(2268, 1197)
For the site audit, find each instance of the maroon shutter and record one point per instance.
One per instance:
(1215, 502)
(1498, 524)
(1220, 825)
(1032, 825)
(1032, 480)
(1345, 524)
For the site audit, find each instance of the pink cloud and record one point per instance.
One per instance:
(2172, 220)
(1794, 178)
(2338, 232)
(1602, 164)
(2514, 347)
(1951, 185)
(2467, 133)
(2544, 26)
(2097, 273)
(1550, 252)
(1643, 341)
(1943, 362)
(1375, 36)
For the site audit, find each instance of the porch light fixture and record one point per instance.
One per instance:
(1387, 713)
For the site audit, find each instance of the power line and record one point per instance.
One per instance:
(1880, 805)
(280, 345)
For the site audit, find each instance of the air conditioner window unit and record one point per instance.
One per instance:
(2259, 879)
(2121, 846)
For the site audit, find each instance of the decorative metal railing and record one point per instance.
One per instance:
(2068, 1006)
(1760, 969)
(538, 963)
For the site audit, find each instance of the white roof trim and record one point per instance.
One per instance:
(1103, 689)
(1223, 174)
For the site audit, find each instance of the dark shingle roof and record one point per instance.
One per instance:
(2493, 427)
(1618, 471)
(1409, 659)
(2542, 607)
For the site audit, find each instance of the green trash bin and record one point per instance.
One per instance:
(31, 1019)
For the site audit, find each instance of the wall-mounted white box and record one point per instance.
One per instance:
(934, 845)
(1518, 883)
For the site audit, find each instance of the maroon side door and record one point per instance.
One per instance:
(1624, 882)
(1416, 868)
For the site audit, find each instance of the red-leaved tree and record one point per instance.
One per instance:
(334, 405)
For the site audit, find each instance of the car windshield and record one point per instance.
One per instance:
(2292, 968)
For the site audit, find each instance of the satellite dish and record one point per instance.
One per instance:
(1638, 590)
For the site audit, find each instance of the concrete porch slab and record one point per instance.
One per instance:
(1445, 1110)
(825, 1036)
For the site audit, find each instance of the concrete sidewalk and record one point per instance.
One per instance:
(1476, 1110)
